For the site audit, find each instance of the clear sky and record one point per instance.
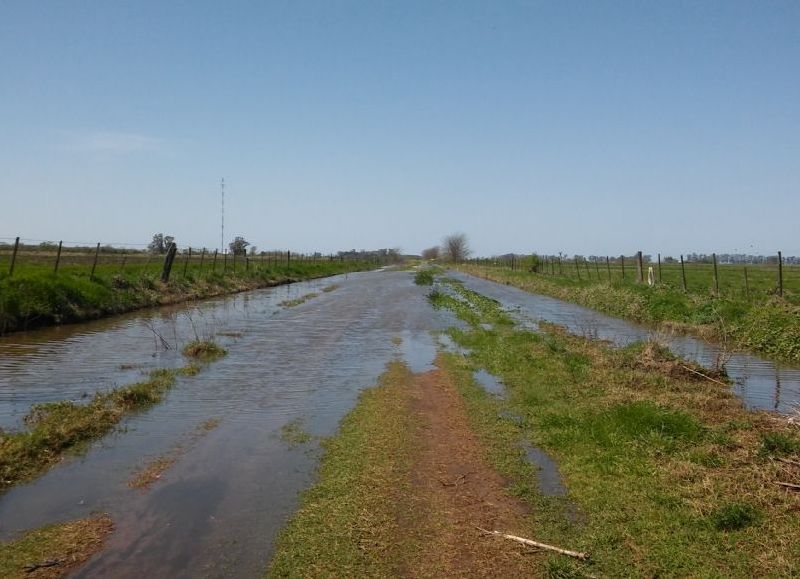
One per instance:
(583, 127)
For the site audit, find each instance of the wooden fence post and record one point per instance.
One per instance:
(597, 268)
(168, 259)
(608, 267)
(780, 274)
(58, 257)
(683, 274)
(94, 265)
(202, 258)
(746, 284)
(186, 263)
(716, 276)
(659, 268)
(13, 258)
(577, 269)
(288, 257)
(224, 261)
(214, 263)
(639, 268)
(588, 271)
(622, 260)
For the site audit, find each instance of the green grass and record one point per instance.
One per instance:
(54, 428)
(36, 296)
(204, 350)
(667, 475)
(424, 277)
(347, 523)
(761, 322)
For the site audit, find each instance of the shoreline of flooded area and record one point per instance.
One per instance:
(762, 384)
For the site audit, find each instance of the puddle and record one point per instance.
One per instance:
(217, 510)
(547, 476)
(490, 383)
(760, 383)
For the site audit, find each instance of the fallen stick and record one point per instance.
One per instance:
(787, 461)
(36, 566)
(703, 375)
(787, 485)
(536, 544)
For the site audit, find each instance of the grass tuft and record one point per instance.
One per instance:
(204, 350)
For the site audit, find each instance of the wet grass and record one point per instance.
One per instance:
(424, 277)
(669, 475)
(298, 301)
(152, 471)
(54, 428)
(294, 434)
(329, 288)
(766, 324)
(347, 523)
(204, 350)
(55, 550)
(35, 296)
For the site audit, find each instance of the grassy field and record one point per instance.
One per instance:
(760, 321)
(37, 295)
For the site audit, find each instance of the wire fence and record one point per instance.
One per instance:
(745, 277)
(21, 257)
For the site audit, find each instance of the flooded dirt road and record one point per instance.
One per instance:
(217, 510)
(761, 383)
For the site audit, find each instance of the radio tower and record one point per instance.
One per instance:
(222, 228)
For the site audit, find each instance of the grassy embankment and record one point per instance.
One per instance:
(759, 322)
(57, 427)
(668, 474)
(35, 296)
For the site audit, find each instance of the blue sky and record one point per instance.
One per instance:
(583, 127)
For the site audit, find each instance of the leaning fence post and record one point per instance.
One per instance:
(683, 274)
(639, 268)
(94, 265)
(58, 257)
(780, 274)
(170, 257)
(716, 276)
(13, 258)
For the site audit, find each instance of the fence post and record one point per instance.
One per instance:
(716, 277)
(659, 268)
(639, 268)
(234, 262)
(214, 263)
(608, 267)
(13, 258)
(746, 284)
(622, 260)
(597, 268)
(288, 257)
(58, 258)
(170, 257)
(186, 263)
(94, 265)
(588, 271)
(577, 269)
(683, 274)
(780, 274)
(202, 258)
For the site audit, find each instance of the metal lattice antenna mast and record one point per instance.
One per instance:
(222, 229)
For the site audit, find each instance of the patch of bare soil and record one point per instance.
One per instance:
(454, 491)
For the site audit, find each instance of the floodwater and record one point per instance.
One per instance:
(760, 383)
(217, 511)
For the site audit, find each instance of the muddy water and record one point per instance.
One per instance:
(216, 512)
(762, 384)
